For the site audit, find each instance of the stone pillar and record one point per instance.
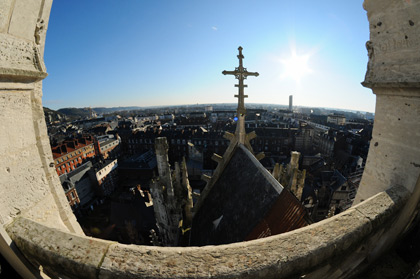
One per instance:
(393, 74)
(294, 162)
(188, 196)
(29, 185)
(161, 148)
(165, 202)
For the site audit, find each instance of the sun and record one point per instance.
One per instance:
(296, 66)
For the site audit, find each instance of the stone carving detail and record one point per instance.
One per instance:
(40, 28)
(38, 61)
(394, 58)
(16, 54)
(369, 47)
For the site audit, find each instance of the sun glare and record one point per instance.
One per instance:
(296, 66)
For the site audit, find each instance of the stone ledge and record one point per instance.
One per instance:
(280, 255)
(21, 75)
(60, 253)
(397, 84)
(310, 250)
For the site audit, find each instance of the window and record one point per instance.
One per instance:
(72, 195)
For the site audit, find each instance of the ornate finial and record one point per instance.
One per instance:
(240, 73)
(240, 55)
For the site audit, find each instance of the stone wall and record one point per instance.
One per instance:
(393, 73)
(29, 185)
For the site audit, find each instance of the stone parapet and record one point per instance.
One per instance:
(338, 247)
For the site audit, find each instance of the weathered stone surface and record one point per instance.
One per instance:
(393, 74)
(394, 43)
(5, 7)
(22, 184)
(394, 150)
(24, 18)
(20, 59)
(380, 207)
(29, 187)
(273, 257)
(58, 252)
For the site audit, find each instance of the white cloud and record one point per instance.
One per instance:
(214, 28)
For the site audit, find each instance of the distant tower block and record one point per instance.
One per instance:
(291, 102)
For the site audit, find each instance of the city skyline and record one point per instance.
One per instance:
(173, 53)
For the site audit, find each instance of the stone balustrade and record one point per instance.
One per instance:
(338, 247)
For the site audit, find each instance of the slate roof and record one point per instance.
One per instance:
(240, 200)
(77, 174)
(145, 161)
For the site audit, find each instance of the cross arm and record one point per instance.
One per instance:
(229, 72)
(252, 74)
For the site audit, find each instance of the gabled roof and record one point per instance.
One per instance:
(244, 202)
(243, 194)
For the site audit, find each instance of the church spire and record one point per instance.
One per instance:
(241, 74)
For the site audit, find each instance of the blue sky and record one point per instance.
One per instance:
(162, 52)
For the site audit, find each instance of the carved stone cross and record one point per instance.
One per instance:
(240, 73)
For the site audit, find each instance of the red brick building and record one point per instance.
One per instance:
(71, 153)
